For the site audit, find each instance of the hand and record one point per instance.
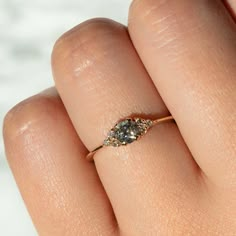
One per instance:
(176, 57)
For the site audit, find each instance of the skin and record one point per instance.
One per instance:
(175, 57)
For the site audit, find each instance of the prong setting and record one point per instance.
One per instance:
(127, 131)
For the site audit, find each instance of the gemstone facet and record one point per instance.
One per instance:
(127, 131)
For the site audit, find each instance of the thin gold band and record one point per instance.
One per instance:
(90, 155)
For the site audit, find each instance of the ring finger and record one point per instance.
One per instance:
(101, 79)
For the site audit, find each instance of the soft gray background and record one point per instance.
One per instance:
(28, 29)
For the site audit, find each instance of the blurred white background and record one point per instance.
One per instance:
(28, 30)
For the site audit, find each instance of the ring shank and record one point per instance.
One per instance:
(164, 119)
(89, 157)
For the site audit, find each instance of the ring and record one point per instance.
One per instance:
(127, 131)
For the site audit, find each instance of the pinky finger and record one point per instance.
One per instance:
(62, 191)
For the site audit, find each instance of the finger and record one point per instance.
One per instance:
(61, 190)
(231, 5)
(188, 47)
(101, 80)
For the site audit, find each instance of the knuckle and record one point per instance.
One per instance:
(28, 115)
(83, 36)
(83, 44)
(159, 19)
(161, 23)
(146, 9)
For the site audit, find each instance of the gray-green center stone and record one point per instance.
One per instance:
(127, 131)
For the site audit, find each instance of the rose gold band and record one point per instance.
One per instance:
(90, 155)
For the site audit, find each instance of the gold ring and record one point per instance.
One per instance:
(127, 131)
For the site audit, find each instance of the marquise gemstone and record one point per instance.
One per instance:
(127, 131)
